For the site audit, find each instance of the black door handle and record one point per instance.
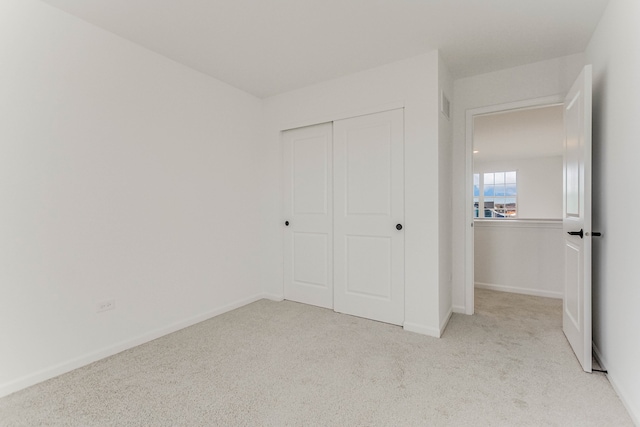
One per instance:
(398, 226)
(286, 223)
(576, 233)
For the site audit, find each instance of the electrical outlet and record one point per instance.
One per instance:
(106, 305)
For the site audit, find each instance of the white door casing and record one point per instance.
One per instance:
(368, 210)
(576, 313)
(308, 211)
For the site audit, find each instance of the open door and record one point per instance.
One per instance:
(576, 313)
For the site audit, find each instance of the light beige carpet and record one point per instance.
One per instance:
(285, 363)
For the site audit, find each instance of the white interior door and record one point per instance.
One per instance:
(369, 216)
(308, 208)
(576, 316)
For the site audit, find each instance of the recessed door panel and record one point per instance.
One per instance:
(572, 283)
(573, 155)
(368, 266)
(310, 174)
(369, 175)
(310, 259)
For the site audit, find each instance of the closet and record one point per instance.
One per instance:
(344, 215)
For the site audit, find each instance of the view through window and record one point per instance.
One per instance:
(497, 193)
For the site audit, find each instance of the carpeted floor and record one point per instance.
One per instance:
(283, 363)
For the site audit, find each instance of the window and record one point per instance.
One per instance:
(497, 193)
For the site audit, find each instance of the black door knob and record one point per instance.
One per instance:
(398, 226)
(286, 223)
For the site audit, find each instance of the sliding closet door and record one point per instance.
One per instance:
(369, 216)
(308, 211)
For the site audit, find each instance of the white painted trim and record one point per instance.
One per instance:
(273, 297)
(445, 321)
(469, 254)
(519, 223)
(635, 417)
(459, 309)
(78, 362)
(468, 233)
(522, 291)
(547, 101)
(343, 115)
(421, 329)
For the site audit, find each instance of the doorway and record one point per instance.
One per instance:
(576, 210)
(517, 196)
(495, 210)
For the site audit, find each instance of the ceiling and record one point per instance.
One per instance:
(266, 47)
(534, 132)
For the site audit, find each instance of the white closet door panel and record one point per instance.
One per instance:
(368, 204)
(308, 260)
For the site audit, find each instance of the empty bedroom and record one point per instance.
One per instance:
(262, 213)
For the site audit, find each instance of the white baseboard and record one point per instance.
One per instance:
(78, 362)
(273, 297)
(516, 290)
(421, 329)
(634, 413)
(445, 321)
(459, 309)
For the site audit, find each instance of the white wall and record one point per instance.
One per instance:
(539, 184)
(411, 83)
(123, 175)
(538, 80)
(524, 257)
(445, 136)
(614, 52)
